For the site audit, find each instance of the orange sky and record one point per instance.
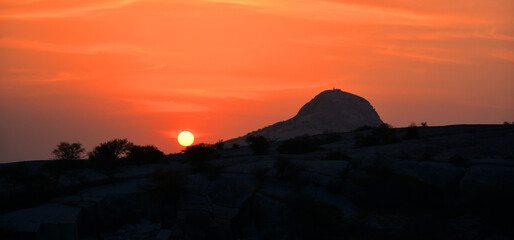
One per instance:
(94, 70)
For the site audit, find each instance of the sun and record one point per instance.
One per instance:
(185, 138)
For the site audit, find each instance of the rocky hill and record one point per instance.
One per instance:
(452, 182)
(330, 111)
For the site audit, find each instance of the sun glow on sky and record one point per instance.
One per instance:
(94, 70)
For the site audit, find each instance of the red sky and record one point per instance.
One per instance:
(94, 70)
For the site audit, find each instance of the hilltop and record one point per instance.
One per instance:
(329, 111)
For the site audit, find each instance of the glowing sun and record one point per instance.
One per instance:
(185, 138)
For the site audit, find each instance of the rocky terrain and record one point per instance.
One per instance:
(330, 111)
(450, 182)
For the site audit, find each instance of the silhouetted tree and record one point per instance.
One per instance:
(258, 144)
(67, 151)
(199, 154)
(111, 150)
(424, 124)
(220, 145)
(144, 154)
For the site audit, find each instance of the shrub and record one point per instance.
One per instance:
(380, 135)
(235, 146)
(424, 124)
(412, 132)
(258, 144)
(112, 150)
(144, 154)
(67, 151)
(220, 145)
(198, 155)
(299, 145)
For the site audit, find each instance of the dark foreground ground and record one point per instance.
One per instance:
(453, 182)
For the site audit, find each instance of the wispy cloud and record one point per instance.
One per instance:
(417, 55)
(145, 105)
(118, 48)
(62, 76)
(338, 11)
(440, 35)
(504, 54)
(68, 12)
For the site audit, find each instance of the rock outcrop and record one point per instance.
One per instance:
(338, 191)
(330, 111)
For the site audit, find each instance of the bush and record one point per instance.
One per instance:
(380, 135)
(220, 145)
(198, 155)
(412, 132)
(112, 150)
(424, 124)
(144, 154)
(299, 145)
(235, 146)
(258, 144)
(67, 151)
(108, 155)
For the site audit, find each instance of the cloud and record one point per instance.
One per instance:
(338, 11)
(504, 54)
(117, 48)
(68, 12)
(145, 105)
(245, 91)
(441, 35)
(63, 76)
(399, 52)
